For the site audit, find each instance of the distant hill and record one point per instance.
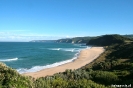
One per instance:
(67, 40)
(75, 40)
(87, 39)
(129, 36)
(107, 40)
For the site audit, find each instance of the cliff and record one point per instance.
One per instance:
(74, 40)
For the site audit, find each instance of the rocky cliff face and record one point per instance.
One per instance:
(74, 40)
(70, 41)
(64, 41)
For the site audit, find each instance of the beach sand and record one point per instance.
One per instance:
(86, 56)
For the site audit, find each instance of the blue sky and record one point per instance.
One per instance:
(25, 20)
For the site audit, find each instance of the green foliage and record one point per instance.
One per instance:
(58, 82)
(106, 78)
(121, 51)
(118, 64)
(9, 78)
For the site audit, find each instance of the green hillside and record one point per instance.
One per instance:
(107, 40)
(117, 59)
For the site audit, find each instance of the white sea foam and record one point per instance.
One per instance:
(67, 49)
(38, 68)
(77, 44)
(54, 48)
(6, 60)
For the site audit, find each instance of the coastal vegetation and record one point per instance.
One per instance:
(10, 78)
(114, 66)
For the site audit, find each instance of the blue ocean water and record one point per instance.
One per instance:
(35, 56)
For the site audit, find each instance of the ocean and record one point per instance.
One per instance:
(35, 56)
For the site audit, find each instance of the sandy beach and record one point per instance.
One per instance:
(86, 56)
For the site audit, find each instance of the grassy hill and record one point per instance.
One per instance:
(107, 40)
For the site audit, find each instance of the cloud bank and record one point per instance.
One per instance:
(24, 37)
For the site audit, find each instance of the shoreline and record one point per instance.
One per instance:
(39, 68)
(85, 57)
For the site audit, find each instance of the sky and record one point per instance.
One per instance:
(25, 20)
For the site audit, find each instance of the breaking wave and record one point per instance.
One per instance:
(67, 49)
(7, 60)
(38, 68)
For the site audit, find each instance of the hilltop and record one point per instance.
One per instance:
(107, 40)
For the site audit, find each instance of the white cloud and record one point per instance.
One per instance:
(9, 36)
(23, 35)
(2, 37)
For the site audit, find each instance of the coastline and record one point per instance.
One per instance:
(85, 56)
